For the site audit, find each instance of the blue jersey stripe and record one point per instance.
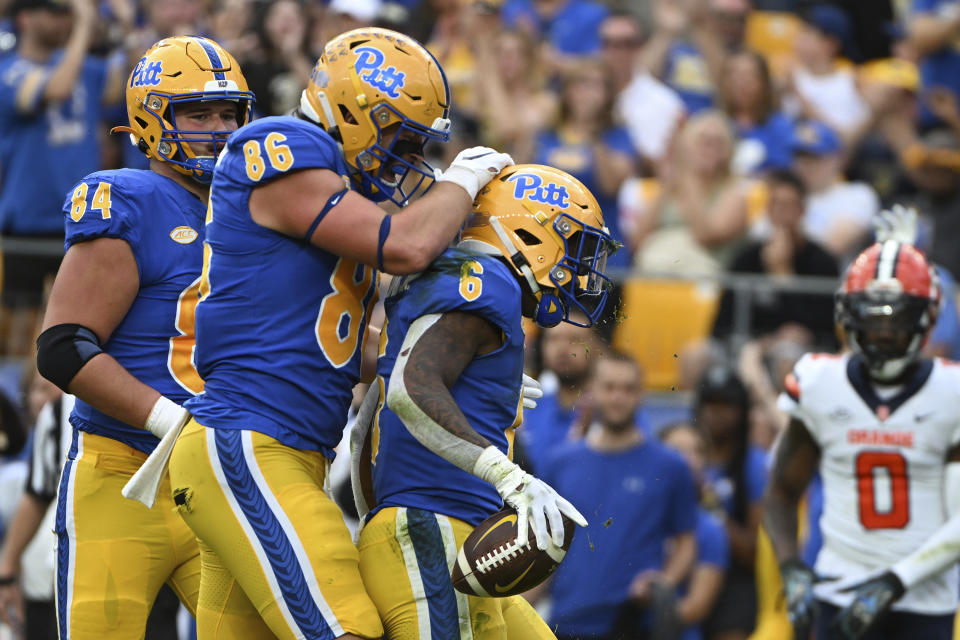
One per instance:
(214, 58)
(271, 537)
(432, 562)
(63, 540)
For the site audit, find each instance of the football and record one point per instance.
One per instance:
(491, 564)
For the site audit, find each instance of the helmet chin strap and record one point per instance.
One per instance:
(549, 311)
(307, 109)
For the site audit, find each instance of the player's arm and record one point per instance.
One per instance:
(435, 351)
(313, 204)
(797, 458)
(442, 347)
(95, 287)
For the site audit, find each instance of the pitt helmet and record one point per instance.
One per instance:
(550, 229)
(887, 306)
(173, 72)
(367, 80)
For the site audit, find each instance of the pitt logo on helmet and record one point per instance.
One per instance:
(530, 186)
(388, 80)
(145, 75)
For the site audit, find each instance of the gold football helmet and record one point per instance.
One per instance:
(367, 80)
(172, 72)
(550, 229)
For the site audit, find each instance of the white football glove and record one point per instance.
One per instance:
(166, 421)
(473, 168)
(535, 501)
(531, 390)
(897, 223)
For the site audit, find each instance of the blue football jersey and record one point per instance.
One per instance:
(163, 224)
(281, 325)
(44, 149)
(407, 474)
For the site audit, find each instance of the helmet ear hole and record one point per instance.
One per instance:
(346, 115)
(528, 238)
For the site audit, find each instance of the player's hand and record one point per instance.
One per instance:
(166, 416)
(473, 168)
(534, 500)
(798, 582)
(11, 605)
(897, 223)
(531, 390)
(871, 600)
(537, 504)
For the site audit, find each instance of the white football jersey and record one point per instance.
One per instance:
(882, 463)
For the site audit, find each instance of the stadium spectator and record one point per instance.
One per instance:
(650, 110)
(748, 98)
(939, 197)
(763, 364)
(587, 144)
(700, 592)
(512, 83)
(51, 97)
(566, 351)
(839, 213)
(569, 28)
(641, 502)
(689, 43)
(933, 30)
(735, 477)
(823, 85)
(691, 222)
(280, 70)
(786, 251)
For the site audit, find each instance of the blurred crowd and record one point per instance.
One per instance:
(746, 145)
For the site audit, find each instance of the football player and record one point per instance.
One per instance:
(438, 457)
(882, 424)
(294, 241)
(118, 334)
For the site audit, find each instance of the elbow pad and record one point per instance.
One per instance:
(62, 350)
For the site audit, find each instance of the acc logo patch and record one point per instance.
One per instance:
(145, 75)
(530, 187)
(369, 66)
(184, 235)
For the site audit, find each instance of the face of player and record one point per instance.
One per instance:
(566, 349)
(215, 115)
(406, 145)
(617, 392)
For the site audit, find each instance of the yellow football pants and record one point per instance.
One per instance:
(114, 554)
(406, 556)
(277, 560)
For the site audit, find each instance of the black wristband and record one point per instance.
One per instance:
(7, 580)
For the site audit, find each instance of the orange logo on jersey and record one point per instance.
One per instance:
(184, 235)
(874, 436)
